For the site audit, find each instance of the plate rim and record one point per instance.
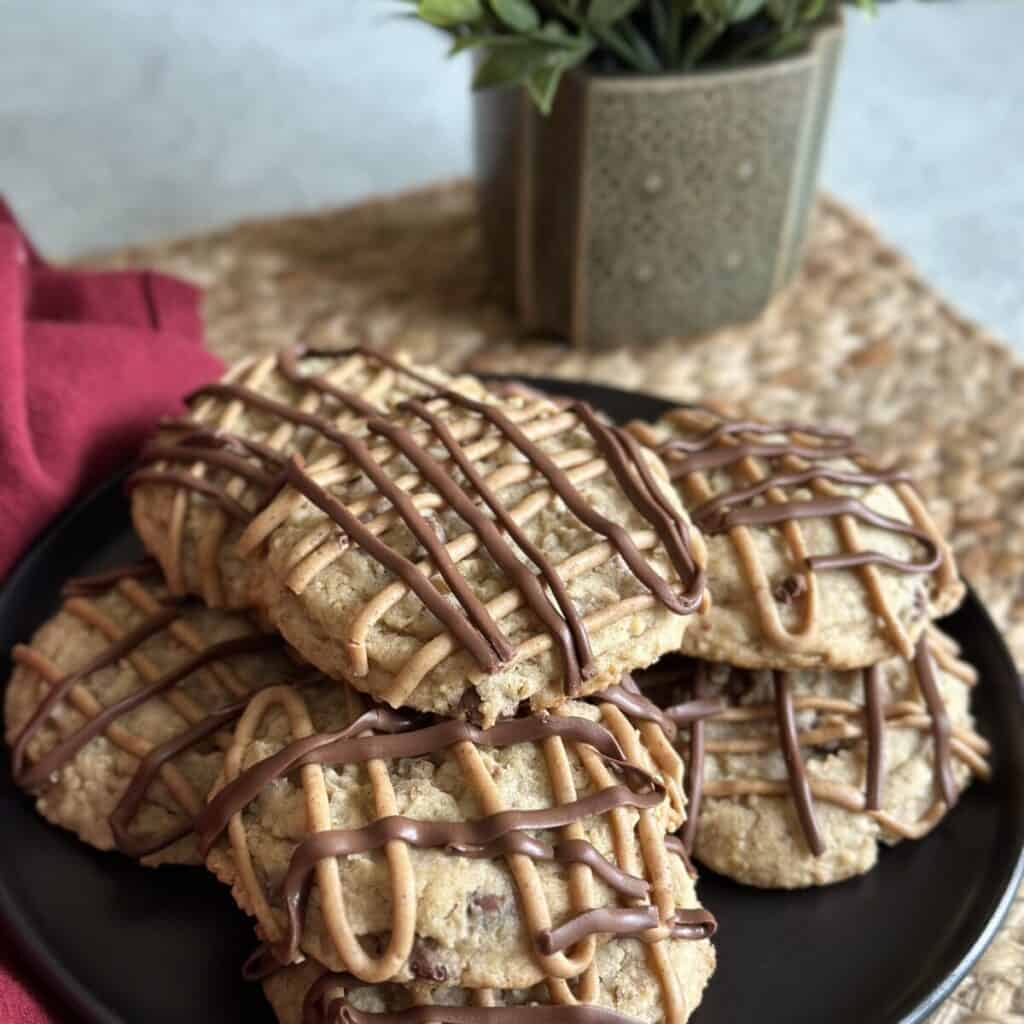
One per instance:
(43, 962)
(64, 987)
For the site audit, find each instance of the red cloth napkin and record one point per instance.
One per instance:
(89, 362)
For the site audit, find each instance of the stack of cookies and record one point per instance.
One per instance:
(446, 681)
(377, 677)
(819, 709)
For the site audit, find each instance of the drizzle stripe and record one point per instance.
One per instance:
(568, 629)
(798, 782)
(67, 749)
(495, 829)
(695, 764)
(347, 747)
(112, 654)
(560, 483)
(452, 618)
(875, 715)
(924, 668)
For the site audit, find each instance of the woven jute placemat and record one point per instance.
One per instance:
(858, 341)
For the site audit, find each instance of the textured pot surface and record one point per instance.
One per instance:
(647, 206)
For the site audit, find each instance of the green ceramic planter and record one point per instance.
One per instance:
(648, 206)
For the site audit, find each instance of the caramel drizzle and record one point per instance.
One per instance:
(562, 622)
(627, 463)
(762, 468)
(207, 440)
(471, 622)
(609, 753)
(127, 646)
(964, 744)
(322, 1004)
(471, 625)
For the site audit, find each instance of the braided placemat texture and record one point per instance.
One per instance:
(858, 341)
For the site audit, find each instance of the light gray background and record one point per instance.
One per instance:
(126, 120)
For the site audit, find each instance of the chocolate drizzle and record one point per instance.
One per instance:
(630, 700)
(499, 834)
(563, 622)
(496, 835)
(875, 715)
(64, 751)
(245, 457)
(466, 618)
(117, 650)
(744, 475)
(790, 511)
(321, 1007)
(795, 769)
(474, 629)
(695, 763)
(148, 769)
(382, 736)
(37, 775)
(924, 669)
(359, 743)
(696, 711)
(624, 921)
(101, 582)
(629, 466)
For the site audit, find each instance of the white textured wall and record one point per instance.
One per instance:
(124, 120)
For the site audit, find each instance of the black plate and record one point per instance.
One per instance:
(125, 944)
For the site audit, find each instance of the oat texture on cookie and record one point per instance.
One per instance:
(119, 708)
(629, 983)
(204, 475)
(464, 556)
(794, 777)
(817, 557)
(396, 846)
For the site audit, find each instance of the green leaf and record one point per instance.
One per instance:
(814, 9)
(543, 83)
(510, 64)
(785, 12)
(518, 15)
(607, 12)
(556, 32)
(450, 13)
(741, 10)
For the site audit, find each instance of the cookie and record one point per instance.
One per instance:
(469, 556)
(628, 983)
(118, 709)
(794, 778)
(816, 557)
(204, 475)
(398, 847)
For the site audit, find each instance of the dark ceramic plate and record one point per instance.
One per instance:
(124, 944)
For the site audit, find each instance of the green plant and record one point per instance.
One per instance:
(534, 42)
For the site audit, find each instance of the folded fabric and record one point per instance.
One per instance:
(89, 361)
(19, 1002)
